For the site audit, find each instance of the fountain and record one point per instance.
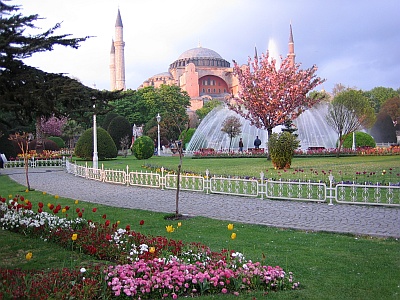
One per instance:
(313, 131)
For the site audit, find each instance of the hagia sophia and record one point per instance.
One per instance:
(201, 72)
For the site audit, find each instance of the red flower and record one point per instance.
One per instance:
(78, 210)
(104, 216)
(40, 210)
(94, 209)
(67, 207)
(108, 237)
(21, 198)
(80, 215)
(55, 210)
(51, 206)
(40, 204)
(107, 223)
(141, 222)
(128, 228)
(3, 200)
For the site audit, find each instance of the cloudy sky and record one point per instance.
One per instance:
(356, 43)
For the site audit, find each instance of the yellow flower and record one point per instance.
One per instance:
(74, 237)
(233, 236)
(118, 222)
(76, 201)
(152, 249)
(179, 224)
(56, 196)
(170, 228)
(44, 193)
(48, 205)
(28, 256)
(9, 196)
(230, 226)
(63, 210)
(26, 191)
(26, 201)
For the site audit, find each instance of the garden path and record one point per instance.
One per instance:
(308, 216)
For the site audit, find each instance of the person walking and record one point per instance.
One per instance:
(241, 145)
(257, 143)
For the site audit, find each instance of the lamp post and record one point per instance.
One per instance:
(95, 153)
(354, 141)
(158, 131)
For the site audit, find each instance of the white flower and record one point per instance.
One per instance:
(83, 270)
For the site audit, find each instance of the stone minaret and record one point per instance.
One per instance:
(291, 54)
(112, 66)
(117, 50)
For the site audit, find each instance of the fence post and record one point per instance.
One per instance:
(262, 185)
(162, 179)
(207, 182)
(330, 188)
(127, 175)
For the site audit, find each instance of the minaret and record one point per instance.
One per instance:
(291, 54)
(112, 66)
(119, 54)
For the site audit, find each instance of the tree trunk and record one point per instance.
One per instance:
(340, 145)
(178, 184)
(269, 131)
(26, 165)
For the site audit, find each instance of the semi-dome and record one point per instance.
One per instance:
(199, 52)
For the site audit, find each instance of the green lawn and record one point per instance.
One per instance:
(315, 168)
(329, 266)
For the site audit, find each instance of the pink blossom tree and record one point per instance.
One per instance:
(269, 94)
(52, 126)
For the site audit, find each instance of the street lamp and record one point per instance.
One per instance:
(158, 131)
(95, 153)
(354, 141)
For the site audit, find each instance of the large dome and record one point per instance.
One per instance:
(199, 52)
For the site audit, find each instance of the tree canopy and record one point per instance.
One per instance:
(349, 111)
(378, 96)
(270, 94)
(28, 93)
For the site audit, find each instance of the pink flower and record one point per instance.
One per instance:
(224, 291)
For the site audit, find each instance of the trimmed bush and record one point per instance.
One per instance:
(118, 129)
(108, 118)
(105, 145)
(47, 145)
(281, 148)
(59, 141)
(362, 140)
(188, 136)
(143, 147)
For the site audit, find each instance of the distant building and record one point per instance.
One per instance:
(201, 72)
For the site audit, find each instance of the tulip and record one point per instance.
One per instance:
(56, 196)
(179, 224)
(169, 228)
(76, 202)
(141, 222)
(152, 249)
(28, 256)
(74, 237)
(233, 236)
(230, 226)
(44, 193)
(94, 209)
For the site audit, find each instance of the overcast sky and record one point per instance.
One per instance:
(356, 43)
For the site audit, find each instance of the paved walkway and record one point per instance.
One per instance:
(354, 219)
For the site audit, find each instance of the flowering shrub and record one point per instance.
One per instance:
(146, 267)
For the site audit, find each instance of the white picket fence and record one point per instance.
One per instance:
(350, 193)
(34, 163)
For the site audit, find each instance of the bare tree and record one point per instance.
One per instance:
(232, 127)
(125, 142)
(23, 143)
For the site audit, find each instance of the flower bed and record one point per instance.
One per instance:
(130, 263)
